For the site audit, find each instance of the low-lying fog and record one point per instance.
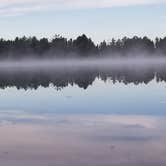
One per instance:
(84, 62)
(32, 73)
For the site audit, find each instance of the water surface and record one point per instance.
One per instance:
(93, 117)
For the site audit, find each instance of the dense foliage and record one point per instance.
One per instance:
(81, 46)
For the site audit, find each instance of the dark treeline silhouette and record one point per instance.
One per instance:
(81, 46)
(83, 77)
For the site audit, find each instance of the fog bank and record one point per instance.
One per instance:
(82, 62)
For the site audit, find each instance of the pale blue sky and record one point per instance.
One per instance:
(100, 23)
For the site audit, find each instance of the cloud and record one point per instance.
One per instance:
(15, 7)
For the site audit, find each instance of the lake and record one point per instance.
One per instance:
(77, 116)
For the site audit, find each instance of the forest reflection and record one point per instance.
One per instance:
(60, 77)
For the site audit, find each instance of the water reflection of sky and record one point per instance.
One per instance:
(105, 125)
(101, 98)
(91, 140)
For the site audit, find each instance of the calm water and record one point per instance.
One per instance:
(77, 118)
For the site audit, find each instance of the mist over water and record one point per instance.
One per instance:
(102, 62)
(32, 73)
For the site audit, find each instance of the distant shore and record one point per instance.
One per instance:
(82, 46)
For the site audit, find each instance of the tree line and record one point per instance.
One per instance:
(82, 46)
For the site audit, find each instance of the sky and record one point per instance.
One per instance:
(99, 19)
